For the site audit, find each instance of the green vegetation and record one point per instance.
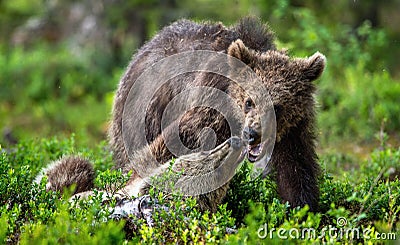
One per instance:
(50, 76)
(368, 201)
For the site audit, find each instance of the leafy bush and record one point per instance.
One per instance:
(245, 190)
(23, 201)
(369, 200)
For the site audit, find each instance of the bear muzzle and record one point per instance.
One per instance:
(254, 145)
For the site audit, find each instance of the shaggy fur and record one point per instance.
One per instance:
(69, 171)
(290, 87)
(189, 166)
(182, 36)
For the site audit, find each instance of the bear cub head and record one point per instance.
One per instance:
(290, 89)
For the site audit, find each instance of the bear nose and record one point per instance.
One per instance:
(250, 135)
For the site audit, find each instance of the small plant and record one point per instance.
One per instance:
(111, 181)
(244, 190)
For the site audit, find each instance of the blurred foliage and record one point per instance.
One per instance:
(59, 58)
(45, 91)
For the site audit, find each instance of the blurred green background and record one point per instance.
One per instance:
(60, 62)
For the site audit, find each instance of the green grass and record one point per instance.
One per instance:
(368, 198)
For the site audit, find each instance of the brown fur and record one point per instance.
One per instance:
(181, 36)
(69, 171)
(288, 81)
(195, 164)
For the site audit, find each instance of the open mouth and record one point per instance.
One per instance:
(254, 152)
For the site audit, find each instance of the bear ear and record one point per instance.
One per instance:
(238, 50)
(313, 66)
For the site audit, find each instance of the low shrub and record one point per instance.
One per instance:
(367, 200)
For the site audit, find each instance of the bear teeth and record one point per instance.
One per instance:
(253, 152)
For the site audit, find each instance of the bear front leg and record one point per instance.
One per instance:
(295, 161)
(206, 174)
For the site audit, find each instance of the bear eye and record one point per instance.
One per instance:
(248, 104)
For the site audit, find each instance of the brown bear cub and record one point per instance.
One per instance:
(290, 88)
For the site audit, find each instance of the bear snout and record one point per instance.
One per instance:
(251, 136)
